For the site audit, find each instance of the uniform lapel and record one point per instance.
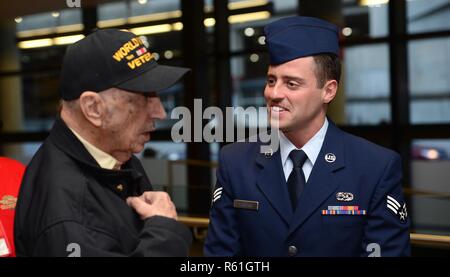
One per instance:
(321, 183)
(271, 182)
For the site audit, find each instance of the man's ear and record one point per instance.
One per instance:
(93, 107)
(329, 91)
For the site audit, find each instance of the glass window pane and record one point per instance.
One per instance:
(36, 21)
(39, 89)
(41, 100)
(49, 20)
(428, 15)
(249, 78)
(429, 80)
(72, 16)
(136, 11)
(430, 202)
(248, 32)
(32, 102)
(356, 18)
(366, 84)
(364, 21)
(112, 11)
(139, 7)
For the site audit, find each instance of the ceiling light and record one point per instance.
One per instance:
(347, 31)
(241, 18)
(249, 32)
(262, 40)
(35, 43)
(372, 3)
(67, 39)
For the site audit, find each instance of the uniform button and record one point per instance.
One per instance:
(292, 251)
(119, 187)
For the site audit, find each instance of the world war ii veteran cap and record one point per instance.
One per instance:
(113, 58)
(299, 36)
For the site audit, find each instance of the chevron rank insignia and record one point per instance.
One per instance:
(217, 194)
(397, 209)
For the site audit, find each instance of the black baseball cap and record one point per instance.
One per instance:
(110, 58)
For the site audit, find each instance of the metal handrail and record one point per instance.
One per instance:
(430, 240)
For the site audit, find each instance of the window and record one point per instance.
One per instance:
(430, 188)
(428, 80)
(48, 22)
(364, 21)
(428, 15)
(366, 84)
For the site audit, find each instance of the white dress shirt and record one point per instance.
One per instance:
(311, 149)
(103, 159)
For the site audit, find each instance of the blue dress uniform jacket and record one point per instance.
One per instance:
(69, 206)
(369, 173)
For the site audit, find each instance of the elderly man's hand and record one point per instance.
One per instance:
(152, 203)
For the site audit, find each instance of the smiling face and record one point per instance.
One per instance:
(129, 119)
(293, 98)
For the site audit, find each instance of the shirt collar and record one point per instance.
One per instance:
(311, 148)
(103, 159)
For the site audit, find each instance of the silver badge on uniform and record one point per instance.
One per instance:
(268, 153)
(344, 196)
(330, 157)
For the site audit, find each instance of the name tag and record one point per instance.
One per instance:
(246, 204)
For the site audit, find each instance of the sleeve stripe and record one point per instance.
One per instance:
(393, 204)
(393, 200)
(392, 208)
(217, 198)
(217, 192)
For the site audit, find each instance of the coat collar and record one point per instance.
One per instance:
(320, 184)
(270, 181)
(67, 142)
(311, 148)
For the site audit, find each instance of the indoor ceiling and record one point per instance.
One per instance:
(15, 8)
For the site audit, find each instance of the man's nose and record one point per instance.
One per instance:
(157, 110)
(275, 93)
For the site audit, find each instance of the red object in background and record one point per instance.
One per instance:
(11, 173)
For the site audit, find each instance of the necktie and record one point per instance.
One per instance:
(296, 181)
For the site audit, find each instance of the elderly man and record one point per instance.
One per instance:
(84, 193)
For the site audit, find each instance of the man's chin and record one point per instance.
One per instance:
(281, 125)
(275, 123)
(138, 148)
